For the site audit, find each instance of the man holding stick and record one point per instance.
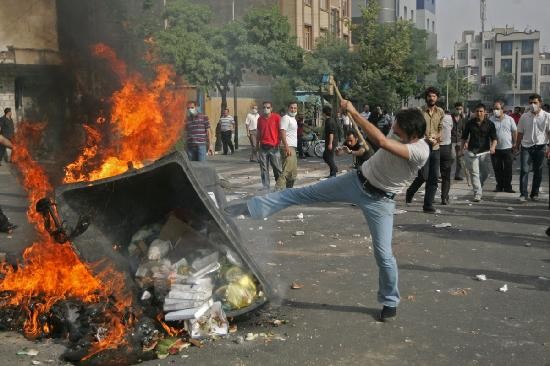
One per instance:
(372, 188)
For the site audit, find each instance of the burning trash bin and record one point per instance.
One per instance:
(163, 227)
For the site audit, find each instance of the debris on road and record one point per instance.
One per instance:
(443, 225)
(528, 244)
(459, 291)
(504, 288)
(509, 209)
(299, 233)
(27, 352)
(300, 216)
(481, 277)
(399, 212)
(296, 285)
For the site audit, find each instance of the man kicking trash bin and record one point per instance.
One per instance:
(372, 188)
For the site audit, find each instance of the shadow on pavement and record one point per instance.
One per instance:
(536, 282)
(338, 308)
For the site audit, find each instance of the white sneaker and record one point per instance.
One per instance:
(522, 199)
(477, 198)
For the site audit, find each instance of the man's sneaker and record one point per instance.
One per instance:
(477, 198)
(408, 199)
(509, 190)
(429, 210)
(522, 199)
(535, 197)
(388, 314)
(237, 209)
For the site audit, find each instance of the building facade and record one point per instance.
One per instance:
(545, 77)
(482, 57)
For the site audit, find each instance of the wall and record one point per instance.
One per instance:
(7, 91)
(28, 24)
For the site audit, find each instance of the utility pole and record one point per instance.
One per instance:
(235, 100)
(483, 14)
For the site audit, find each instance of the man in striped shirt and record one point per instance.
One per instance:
(227, 125)
(198, 134)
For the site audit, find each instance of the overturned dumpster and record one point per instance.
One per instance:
(163, 227)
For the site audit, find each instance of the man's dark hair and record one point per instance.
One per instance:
(327, 110)
(431, 90)
(7, 110)
(412, 122)
(267, 102)
(459, 104)
(292, 102)
(501, 102)
(480, 105)
(535, 96)
(352, 133)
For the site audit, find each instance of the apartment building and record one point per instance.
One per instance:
(544, 77)
(481, 57)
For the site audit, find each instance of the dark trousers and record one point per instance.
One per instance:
(4, 222)
(226, 142)
(536, 154)
(446, 163)
(328, 157)
(502, 165)
(428, 175)
(300, 147)
(458, 167)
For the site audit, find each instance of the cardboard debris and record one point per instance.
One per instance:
(187, 314)
(212, 323)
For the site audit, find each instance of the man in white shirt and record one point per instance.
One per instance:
(251, 123)
(503, 159)
(366, 112)
(289, 143)
(533, 137)
(372, 188)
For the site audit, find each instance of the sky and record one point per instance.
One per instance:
(454, 16)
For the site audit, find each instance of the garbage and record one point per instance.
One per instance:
(170, 346)
(503, 288)
(332, 245)
(399, 212)
(241, 291)
(509, 209)
(158, 249)
(27, 352)
(481, 277)
(251, 336)
(300, 216)
(299, 233)
(241, 217)
(146, 295)
(443, 225)
(212, 323)
(528, 244)
(296, 285)
(459, 291)
(34, 362)
(187, 314)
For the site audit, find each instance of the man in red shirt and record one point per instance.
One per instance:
(268, 138)
(516, 115)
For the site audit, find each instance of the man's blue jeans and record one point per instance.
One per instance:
(536, 154)
(196, 152)
(378, 211)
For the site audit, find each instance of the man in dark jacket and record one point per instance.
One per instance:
(7, 130)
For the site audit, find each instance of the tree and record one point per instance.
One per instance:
(217, 57)
(451, 81)
(498, 88)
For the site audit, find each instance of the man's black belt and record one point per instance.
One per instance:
(368, 187)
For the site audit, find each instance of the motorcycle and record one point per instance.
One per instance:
(312, 145)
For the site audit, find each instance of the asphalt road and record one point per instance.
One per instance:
(446, 317)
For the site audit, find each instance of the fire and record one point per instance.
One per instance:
(52, 272)
(146, 120)
(171, 331)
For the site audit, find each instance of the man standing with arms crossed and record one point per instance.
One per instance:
(289, 143)
(251, 124)
(533, 137)
(428, 174)
(268, 139)
(503, 159)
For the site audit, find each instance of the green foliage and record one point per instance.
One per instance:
(452, 81)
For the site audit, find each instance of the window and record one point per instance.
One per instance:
(506, 48)
(405, 12)
(412, 15)
(334, 22)
(307, 2)
(474, 70)
(526, 65)
(487, 80)
(488, 62)
(545, 90)
(488, 44)
(345, 6)
(461, 54)
(474, 54)
(323, 4)
(526, 82)
(506, 65)
(433, 26)
(527, 47)
(308, 37)
(545, 69)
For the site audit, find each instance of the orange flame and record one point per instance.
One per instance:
(147, 119)
(51, 272)
(171, 331)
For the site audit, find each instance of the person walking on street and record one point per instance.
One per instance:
(198, 134)
(459, 121)
(428, 174)
(251, 124)
(479, 141)
(447, 157)
(503, 158)
(533, 137)
(227, 125)
(268, 139)
(289, 142)
(372, 188)
(7, 129)
(330, 141)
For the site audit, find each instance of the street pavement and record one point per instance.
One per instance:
(446, 316)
